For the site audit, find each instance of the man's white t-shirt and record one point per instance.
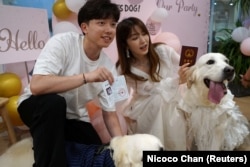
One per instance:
(63, 55)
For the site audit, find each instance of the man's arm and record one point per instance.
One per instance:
(43, 84)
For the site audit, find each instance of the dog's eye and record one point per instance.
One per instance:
(210, 62)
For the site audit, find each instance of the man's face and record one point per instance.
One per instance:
(100, 32)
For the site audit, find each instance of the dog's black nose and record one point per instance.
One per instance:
(228, 72)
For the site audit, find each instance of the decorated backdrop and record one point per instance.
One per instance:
(24, 32)
(175, 22)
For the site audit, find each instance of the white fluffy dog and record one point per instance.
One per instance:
(214, 121)
(126, 150)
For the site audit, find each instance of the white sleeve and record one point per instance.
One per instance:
(51, 58)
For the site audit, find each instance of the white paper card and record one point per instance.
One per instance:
(118, 91)
(108, 93)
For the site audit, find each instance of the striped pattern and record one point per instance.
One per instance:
(81, 155)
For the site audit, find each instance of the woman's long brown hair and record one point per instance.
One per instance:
(123, 31)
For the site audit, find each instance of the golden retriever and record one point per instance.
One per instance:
(214, 120)
(125, 151)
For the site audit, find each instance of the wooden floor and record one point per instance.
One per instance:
(243, 102)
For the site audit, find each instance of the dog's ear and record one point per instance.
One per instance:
(190, 76)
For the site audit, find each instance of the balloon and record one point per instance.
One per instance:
(159, 15)
(170, 39)
(11, 107)
(239, 34)
(74, 5)
(60, 10)
(10, 85)
(245, 47)
(135, 2)
(64, 26)
(153, 26)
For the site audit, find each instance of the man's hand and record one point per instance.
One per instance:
(99, 75)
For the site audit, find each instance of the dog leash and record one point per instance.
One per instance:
(100, 150)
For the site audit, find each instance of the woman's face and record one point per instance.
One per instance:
(138, 42)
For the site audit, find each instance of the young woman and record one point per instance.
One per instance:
(153, 74)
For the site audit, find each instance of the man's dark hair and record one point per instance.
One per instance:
(98, 9)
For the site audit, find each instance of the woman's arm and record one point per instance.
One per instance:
(112, 123)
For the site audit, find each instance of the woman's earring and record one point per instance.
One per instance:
(127, 53)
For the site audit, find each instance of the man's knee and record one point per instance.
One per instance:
(54, 100)
(53, 103)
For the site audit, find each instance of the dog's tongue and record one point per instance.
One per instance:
(216, 92)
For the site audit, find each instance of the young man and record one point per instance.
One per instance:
(68, 74)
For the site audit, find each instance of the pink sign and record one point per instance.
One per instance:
(189, 20)
(23, 33)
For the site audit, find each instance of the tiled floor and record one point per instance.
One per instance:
(243, 102)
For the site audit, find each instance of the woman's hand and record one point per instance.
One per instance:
(183, 73)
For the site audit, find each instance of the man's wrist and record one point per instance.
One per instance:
(84, 78)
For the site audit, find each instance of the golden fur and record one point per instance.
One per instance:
(214, 120)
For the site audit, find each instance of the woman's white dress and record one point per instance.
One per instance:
(152, 106)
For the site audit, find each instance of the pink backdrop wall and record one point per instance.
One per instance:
(23, 33)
